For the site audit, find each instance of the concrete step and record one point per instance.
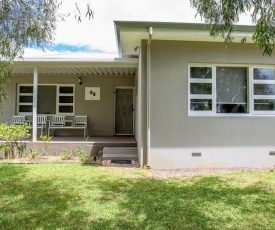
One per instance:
(120, 153)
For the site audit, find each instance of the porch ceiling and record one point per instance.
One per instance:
(96, 67)
(96, 71)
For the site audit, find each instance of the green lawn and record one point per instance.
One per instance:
(85, 197)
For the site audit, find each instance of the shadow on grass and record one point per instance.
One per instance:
(206, 203)
(98, 202)
(36, 203)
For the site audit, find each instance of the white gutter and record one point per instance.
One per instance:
(149, 97)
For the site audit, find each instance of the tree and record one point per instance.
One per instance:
(24, 23)
(223, 15)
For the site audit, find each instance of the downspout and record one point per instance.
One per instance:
(149, 97)
(34, 106)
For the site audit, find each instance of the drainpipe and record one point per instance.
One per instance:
(34, 106)
(149, 97)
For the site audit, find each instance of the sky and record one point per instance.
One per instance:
(98, 36)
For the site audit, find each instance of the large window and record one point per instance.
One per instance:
(51, 99)
(231, 90)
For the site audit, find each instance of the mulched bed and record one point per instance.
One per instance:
(186, 173)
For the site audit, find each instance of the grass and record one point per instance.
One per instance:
(85, 197)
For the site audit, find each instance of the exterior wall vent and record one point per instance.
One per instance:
(272, 153)
(197, 154)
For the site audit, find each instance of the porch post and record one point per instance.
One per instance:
(34, 105)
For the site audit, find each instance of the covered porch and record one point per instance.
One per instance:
(101, 90)
(59, 87)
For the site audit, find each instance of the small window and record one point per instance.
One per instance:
(201, 105)
(201, 89)
(66, 99)
(201, 72)
(25, 89)
(66, 90)
(263, 96)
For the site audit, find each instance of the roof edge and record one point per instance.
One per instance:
(173, 25)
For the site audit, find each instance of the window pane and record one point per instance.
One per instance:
(26, 89)
(263, 74)
(264, 104)
(66, 99)
(46, 101)
(66, 89)
(201, 88)
(25, 108)
(25, 99)
(201, 72)
(201, 105)
(65, 109)
(231, 89)
(231, 108)
(264, 89)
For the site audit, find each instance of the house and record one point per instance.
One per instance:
(190, 100)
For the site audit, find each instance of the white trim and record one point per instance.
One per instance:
(261, 97)
(201, 96)
(57, 99)
(250, 91)
(124, 87)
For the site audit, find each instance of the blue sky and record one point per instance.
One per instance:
(62, 47)
(97, 35)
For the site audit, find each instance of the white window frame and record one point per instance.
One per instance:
(250, 91)
(18, 103)
(57, 98)
(202, 96)
(58, 104)
(253, 96)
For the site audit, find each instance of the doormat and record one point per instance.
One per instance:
(121, 162)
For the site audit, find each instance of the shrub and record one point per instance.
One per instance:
(66, 154)
(13, 135)
(82, 153)
(46, 139)
(33, 154)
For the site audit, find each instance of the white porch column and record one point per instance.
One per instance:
(34, 105)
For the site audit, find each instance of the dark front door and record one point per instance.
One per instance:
(124, 111)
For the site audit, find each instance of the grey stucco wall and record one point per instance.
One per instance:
(221, 140)
(100, 113)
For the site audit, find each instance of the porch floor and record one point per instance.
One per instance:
(91, 140)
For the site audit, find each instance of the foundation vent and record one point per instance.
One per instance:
(272, 153)
(197, 154)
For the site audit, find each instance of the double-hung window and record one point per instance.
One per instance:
(217, 90)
